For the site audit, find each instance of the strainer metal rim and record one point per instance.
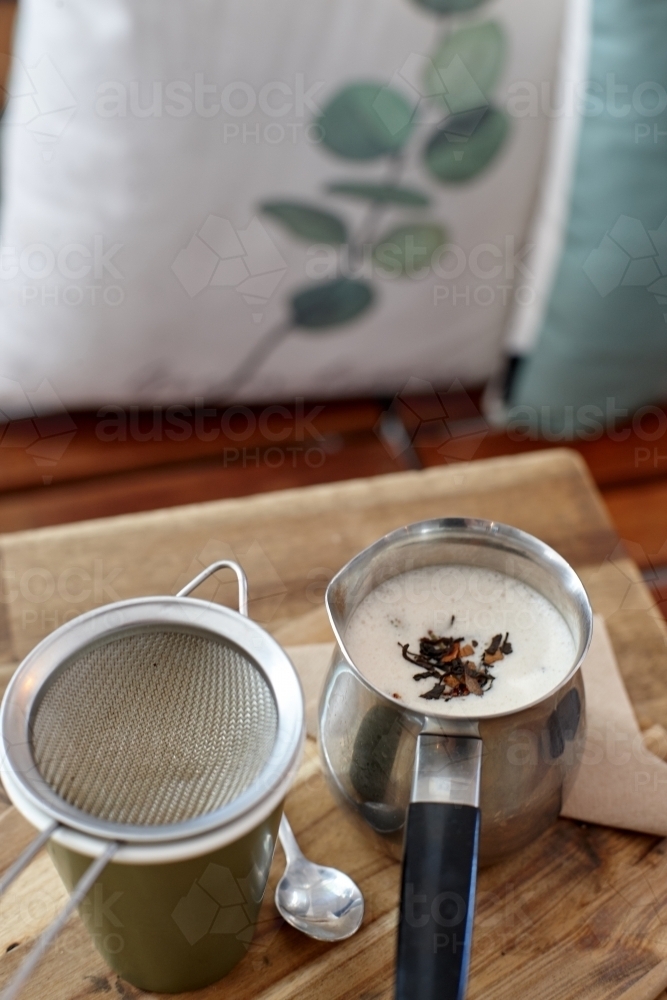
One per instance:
(110, 621)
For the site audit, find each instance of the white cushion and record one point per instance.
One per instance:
(130, 235)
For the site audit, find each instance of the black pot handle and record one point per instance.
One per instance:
(439, 871)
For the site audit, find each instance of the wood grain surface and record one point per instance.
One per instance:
(581, 914)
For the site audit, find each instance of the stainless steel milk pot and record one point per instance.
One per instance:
(441, 791)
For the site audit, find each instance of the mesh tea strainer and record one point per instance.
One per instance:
(147, 724)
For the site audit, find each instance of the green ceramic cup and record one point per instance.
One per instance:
(169, 928)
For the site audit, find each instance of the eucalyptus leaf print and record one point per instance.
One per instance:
(382, 194)
(448, 6)
(308, 223)
(408, 250)
(331, 303)
(365, 121)
(378, 128)
(465, 145)
(466, 67)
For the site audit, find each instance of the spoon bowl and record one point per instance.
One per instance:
(321, 902)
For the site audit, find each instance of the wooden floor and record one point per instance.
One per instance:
(86, 465)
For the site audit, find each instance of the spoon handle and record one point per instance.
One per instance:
(288, 841)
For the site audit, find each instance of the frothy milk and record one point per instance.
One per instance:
(483, 603)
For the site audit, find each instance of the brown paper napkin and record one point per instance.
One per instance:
(620, 782)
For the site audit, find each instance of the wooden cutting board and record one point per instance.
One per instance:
(581, 914)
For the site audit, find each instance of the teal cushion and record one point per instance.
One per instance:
(604, 335)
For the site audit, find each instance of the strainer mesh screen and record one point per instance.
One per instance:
(154, 728)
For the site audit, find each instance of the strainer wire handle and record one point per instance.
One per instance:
(44, 942)
(22, 862)
(213, 568)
